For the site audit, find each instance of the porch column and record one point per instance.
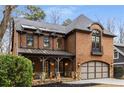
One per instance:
(58, 73)
(73, 68)
(43, 75)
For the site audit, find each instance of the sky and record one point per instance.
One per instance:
(102, 12)
(94, 12)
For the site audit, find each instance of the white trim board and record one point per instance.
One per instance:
(119, 63)
(121, 52)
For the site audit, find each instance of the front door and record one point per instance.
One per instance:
(52, 70)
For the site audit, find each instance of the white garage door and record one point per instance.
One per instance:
(92, 70)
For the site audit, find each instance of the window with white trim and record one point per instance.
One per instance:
(116, 54)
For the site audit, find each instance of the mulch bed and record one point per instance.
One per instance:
(59, 84)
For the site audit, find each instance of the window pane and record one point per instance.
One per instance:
(98, 75)
(59, 43)
(105, 69)
(30, 40)
(93, 38)
(97, 39)
(46, 42)
(91, 64)
(98, 64)
(105, 65)
(84, 76)
(105, 75)
(84, 65)
(98, 69)
(91, 75)
(84, 69)
(96, 35)
(91, 69)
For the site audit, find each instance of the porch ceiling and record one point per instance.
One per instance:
(44, 52)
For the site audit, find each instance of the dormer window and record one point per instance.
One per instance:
(116, 54)
(96, 42)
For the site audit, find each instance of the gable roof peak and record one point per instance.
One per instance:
(80, 17)
(81, 22)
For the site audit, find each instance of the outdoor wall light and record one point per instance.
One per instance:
(66, 64)
(79, 64)
(52, 64)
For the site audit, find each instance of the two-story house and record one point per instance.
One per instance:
(84, 47)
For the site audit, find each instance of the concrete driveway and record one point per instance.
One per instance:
(99, 81)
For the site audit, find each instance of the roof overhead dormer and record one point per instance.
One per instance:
(27, 27)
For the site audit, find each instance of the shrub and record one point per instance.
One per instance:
(15, 71)
(118, 72)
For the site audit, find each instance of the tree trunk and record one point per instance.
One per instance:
(6, 18)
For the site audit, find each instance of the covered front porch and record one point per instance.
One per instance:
(51, 67)
(51, 64)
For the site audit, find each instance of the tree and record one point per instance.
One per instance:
(67, 22)
(55, 16)
(121, 33)
(32, 13)
(111, 25)
(5, 20)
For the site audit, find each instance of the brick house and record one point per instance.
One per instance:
(83, 47)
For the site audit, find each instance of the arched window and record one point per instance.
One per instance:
(59, 43)
(96, 41)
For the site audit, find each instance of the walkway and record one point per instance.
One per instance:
(99, 81)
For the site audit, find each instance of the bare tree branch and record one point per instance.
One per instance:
(6, 18)
(4, 23)
(55, 16)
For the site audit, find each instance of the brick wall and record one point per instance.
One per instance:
(83, 49)
(38, 41)
(71, 43)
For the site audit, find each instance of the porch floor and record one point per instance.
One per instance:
(54, 80)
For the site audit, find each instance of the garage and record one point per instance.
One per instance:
(94, 70)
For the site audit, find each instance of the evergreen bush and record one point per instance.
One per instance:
(15, 71)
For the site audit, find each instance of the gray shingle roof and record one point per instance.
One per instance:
(120, 47)
(42, 24)
(44, 52)
(81, 22)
